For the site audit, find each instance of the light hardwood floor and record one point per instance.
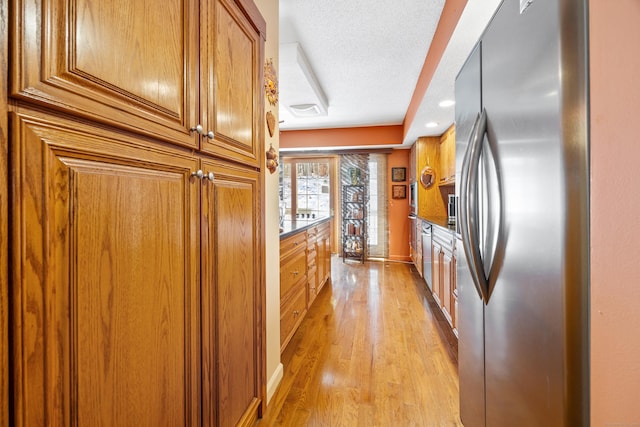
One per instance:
(373, 350)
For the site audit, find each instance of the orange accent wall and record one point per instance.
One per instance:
(342, 137)
(615, 212)
(398, 210)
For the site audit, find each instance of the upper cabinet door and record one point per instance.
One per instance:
(131, 64)
(232, 81)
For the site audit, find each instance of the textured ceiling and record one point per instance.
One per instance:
(365, 54)
(366, 57)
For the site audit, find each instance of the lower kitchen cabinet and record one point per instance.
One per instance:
(293, 285)
(305, 267)
(444, 274)
(231, 297)
(127, 300)
(319, 257)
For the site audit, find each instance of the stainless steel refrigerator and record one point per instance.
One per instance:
(522, 170)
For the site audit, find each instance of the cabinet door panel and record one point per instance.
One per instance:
(129, 64)
(234, 92)
(232, 295)
(105, 297)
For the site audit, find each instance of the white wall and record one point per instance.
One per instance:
(269, 10)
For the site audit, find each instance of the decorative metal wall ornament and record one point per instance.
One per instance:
(270, 82)
(272, 159)
(271, 122)
(427, 177)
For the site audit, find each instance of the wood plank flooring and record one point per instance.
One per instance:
(373, 350)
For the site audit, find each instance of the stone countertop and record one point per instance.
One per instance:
(295, 225)
(441, 222)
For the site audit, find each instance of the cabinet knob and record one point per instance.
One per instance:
(296, 313)
(295, 273)
(210, 176)
(200, 130)
(198, 174)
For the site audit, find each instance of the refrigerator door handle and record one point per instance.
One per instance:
(469, 206)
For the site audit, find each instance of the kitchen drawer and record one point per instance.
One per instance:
(324, 227)
(312, 232)
(291, 314)
(312, 255)
(446, 239)
(292, 271)
(293, 243)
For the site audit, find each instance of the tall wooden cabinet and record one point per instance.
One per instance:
(136, 149)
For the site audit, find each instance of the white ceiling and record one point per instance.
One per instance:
(366, 56)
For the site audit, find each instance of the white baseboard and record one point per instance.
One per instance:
(274, 382)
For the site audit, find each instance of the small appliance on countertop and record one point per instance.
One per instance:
(452, 211)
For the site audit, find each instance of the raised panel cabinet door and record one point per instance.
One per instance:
(327, 257)
(436, 266)
(232, 299)
(233, 95)
(446, 282)
(321, 264)
(105, 315)
(131, 64)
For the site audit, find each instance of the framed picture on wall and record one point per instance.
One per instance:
(399, 191)
(398, 174)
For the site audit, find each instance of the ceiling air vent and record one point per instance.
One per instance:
(300, 92)
(306, 110)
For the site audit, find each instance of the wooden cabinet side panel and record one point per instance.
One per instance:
(232, 302)
(128, 64)
(5, 202)
(105, 302)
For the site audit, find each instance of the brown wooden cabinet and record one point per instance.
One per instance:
(448, 157)
(106, 303)
(125, 271)
(293, 285)
(436, 265)
(313, 265)
(444, 274)
(305, 267)
(324, 254)
(138, 282)
(174, 71)
(231, 295)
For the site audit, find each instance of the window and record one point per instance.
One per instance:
(306, 188)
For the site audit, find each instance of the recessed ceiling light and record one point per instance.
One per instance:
(431, 124)
(447, 103)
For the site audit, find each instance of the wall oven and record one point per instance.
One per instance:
(413, 198)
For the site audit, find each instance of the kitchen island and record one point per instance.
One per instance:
(305, 267)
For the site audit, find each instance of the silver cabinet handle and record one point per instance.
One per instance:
(200, 130)
(201, 175)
